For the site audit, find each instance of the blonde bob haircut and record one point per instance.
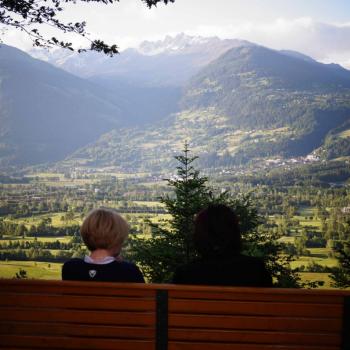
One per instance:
(104, 228)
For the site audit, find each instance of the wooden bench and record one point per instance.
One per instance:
(88, 315)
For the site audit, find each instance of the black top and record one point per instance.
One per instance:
(237, 270)
(115, 271)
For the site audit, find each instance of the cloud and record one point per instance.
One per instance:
(130, 22)
(325, 42)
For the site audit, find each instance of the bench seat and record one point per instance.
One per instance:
(36, 314)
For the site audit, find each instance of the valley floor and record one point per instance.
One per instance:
(40, 219)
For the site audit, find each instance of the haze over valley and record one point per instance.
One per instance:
(235, 102)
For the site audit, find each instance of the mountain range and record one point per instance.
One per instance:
(233, 101)
(47, 113)
(168, 62)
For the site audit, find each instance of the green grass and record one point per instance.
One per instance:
(306, 211)
(149, 204)
(63, 239)
(58, 180)
(55, 217)
(304, 222)
(320, 251)
(316, 276)
(286, 239)
(41, 175)
(37, 270)
(306, 260)
(122, 176)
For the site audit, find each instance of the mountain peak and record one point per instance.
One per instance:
(182, 44)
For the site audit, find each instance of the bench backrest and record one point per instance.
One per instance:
(90, 315)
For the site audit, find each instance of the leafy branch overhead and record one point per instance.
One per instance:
(28, 15)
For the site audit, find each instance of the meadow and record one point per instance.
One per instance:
(137, 198)
(34, 269)
(51, 270)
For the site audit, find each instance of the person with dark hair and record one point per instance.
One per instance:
(217, 238)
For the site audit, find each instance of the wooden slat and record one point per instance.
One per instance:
(261, 337)
(81, 317)
(77, 302)
(76, 330)
(106, 288)
(253, 290)
(73, 343)
(82, 290)
(255, 308)
(171, 287)
(224, 346)
(255, 323)
(13, 348)
(273, 297)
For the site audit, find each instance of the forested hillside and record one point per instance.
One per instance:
(234, 101)
(259, 88)
(250, 103)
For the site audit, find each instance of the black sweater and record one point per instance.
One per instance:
(237, 270)
(116, 271)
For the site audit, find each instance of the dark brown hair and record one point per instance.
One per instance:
(216, 231)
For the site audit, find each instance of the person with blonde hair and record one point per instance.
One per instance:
(103, 232)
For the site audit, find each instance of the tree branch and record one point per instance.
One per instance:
(24, 14)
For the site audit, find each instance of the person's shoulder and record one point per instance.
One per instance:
(70, 268)
(126, 263)
(258, 265)
(73, 262)
(131, 270)
(187, 273)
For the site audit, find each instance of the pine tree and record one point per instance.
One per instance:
(171, 244)
(341, 275)
(191, 195)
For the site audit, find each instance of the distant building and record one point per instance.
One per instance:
(312, 158)
(345, 210)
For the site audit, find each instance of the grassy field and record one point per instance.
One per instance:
(63, 239)
(149, 204)
(307, 260)
(286, 239)
(55, 217)
(59, 180)
(37, 270)
(304, 221)
(306, 217)
(316, 276)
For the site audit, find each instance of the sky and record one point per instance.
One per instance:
(319, 28)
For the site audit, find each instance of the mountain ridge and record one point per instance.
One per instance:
(250, 103)
(147, 64)
(47, 113)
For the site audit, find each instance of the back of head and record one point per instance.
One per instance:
(217, 232)
(104, 228)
